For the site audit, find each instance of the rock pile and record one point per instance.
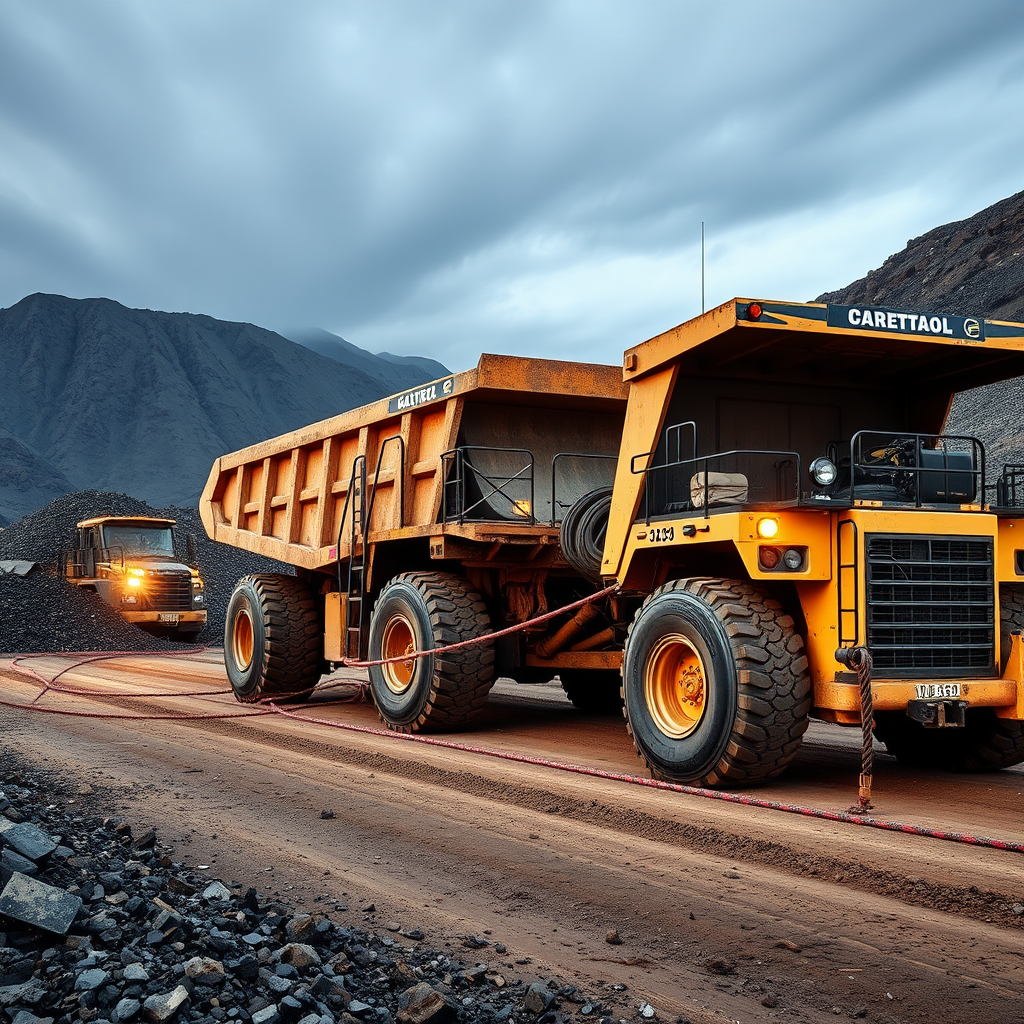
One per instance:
(41, 612)
(100, 926)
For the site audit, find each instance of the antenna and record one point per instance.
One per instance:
(702, 266)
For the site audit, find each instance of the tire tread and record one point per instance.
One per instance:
(774, 698)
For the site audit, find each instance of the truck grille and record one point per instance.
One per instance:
(930, 605)
(169, 592)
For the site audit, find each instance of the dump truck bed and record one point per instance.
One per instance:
(400, 463)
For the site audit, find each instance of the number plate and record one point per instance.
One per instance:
(172, 618)
(930, 691)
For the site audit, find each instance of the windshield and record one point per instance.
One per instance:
(140, 540)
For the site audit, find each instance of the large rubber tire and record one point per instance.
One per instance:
(422, 611)
(985, 743)
(715, 683)
(273, 639)
(597, 692)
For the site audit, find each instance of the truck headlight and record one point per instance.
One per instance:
(823, 471)
(199, 599)
(133, 581)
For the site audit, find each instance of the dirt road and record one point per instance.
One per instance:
(726, 912)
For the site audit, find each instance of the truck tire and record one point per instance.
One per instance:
(986, 743)
(715, 683)
(422, 611)
(273, 639)
(597, 692)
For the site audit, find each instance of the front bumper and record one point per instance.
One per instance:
(158, 618)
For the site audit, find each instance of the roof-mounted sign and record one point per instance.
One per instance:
(900, 321)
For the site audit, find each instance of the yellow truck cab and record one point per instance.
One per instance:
(786, 488)
(130, 562)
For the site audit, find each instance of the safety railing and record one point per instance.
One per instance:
(724, 480)
(915, 469)
(1009, 488)
(487, 484)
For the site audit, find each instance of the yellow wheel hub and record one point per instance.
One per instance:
(242, 641)
(398, 639)
(675, 686)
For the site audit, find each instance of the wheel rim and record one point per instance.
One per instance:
(242, 641)
(398, 639)
(675, 686)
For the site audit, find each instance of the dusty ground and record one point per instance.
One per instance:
(727, 913)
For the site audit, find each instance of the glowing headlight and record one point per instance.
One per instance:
(134, 581)
(823, 471)
(767, 528)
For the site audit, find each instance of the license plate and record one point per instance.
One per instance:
(930, 691)
(169, 617)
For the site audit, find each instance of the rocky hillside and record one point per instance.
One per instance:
(96, 395)
(972, 267)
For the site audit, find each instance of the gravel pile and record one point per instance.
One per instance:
(100, 926)
(42, 612)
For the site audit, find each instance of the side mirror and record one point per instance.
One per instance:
(190, 548)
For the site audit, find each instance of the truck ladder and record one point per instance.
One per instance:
(355, 616)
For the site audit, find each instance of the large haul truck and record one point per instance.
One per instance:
(783, 490)
(421, 520)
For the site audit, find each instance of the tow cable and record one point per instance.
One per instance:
(854, 816)
(859, 659)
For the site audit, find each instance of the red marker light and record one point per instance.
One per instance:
(754, 311)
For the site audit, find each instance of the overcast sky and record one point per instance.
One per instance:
(445, 177)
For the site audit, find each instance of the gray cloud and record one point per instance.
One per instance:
(517, 176)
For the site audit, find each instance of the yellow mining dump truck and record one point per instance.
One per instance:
(422, 520)
(130, 562)
(785, 489)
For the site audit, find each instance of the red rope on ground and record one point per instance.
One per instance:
(136, 718)
(674, 787)
(486, 636)
(88, 657)
(267, 706)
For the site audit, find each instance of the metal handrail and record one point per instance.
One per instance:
(376, 477)
(910, 443)
(462, 463)
(790, 457)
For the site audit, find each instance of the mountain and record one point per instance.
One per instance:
(96, 395)
(972, 267)
(409, 370)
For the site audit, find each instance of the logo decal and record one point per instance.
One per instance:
(901, 321)
(421, 396)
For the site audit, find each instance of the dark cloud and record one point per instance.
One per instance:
(522, 176)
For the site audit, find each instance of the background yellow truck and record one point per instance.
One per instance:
(130, 562)
(770, 484)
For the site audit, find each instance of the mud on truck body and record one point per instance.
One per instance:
(130, 562)
(768, 484)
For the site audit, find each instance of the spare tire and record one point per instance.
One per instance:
(582, 532)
